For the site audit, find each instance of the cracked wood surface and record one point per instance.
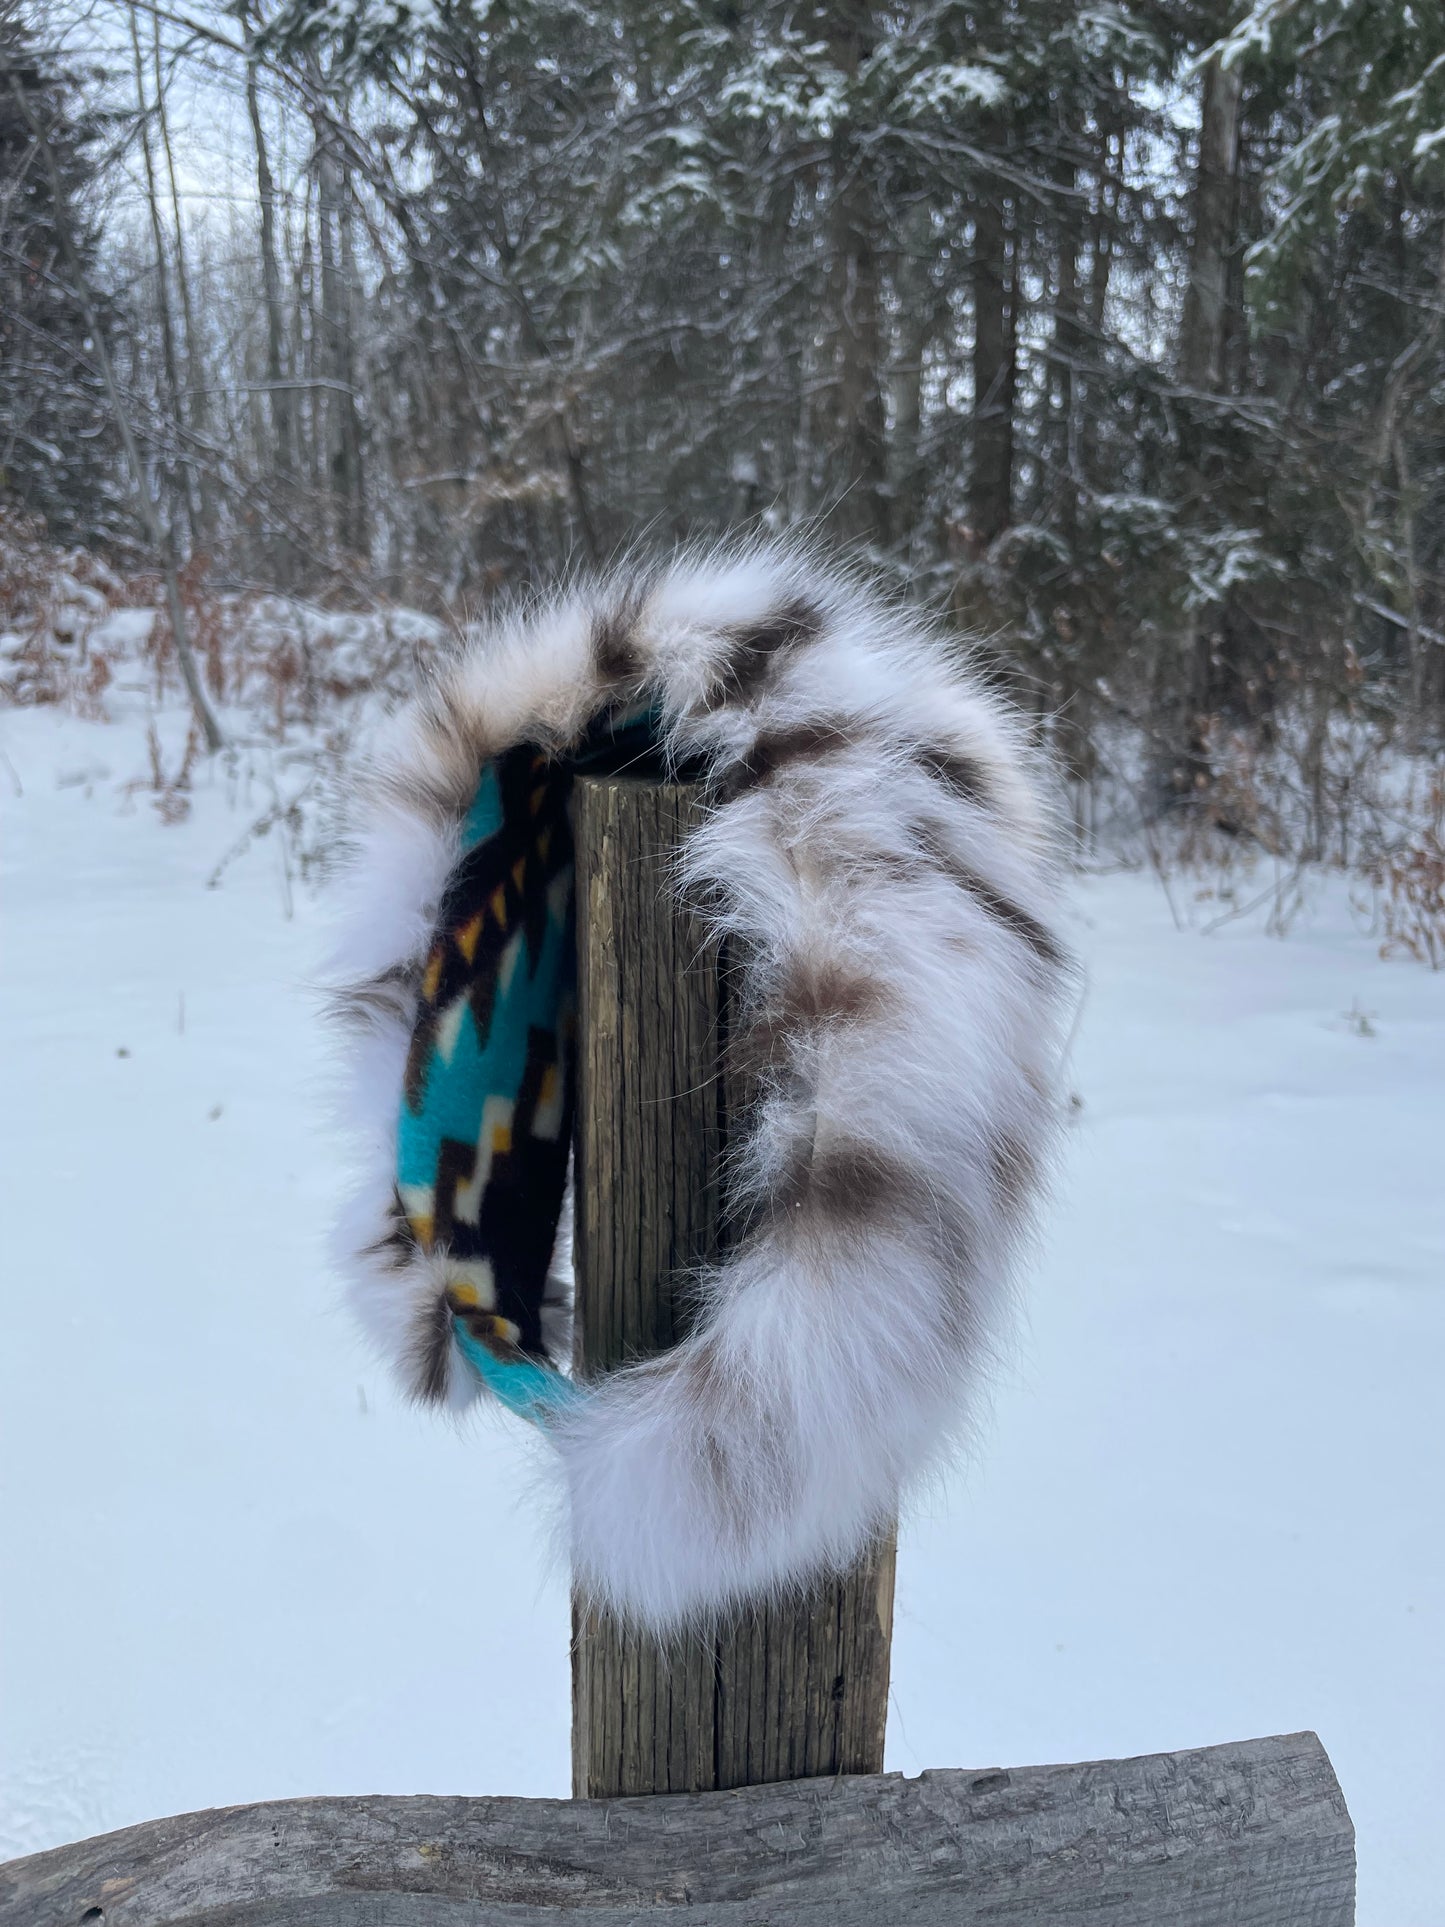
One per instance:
(792, 1688)
(1253, 1834)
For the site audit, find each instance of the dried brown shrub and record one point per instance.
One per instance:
(1411, 882)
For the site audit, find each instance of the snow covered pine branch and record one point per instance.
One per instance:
(876, 850)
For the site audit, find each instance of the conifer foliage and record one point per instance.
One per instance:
(1116, 331)
(57, 446)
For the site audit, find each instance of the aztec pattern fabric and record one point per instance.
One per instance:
(879, 856)
(485, 1127)
(486, 1112)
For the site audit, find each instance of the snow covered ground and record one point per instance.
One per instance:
(233, 1567)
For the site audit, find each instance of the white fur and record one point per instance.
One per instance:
(835, 1348)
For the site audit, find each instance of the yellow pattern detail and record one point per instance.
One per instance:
(467, 938)
(431, 982)
(501, 1139)
(497, 904)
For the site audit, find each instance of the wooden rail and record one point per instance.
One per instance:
(1251, 1835)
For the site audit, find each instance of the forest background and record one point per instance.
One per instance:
(1114, 332)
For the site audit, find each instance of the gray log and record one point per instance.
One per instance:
(1249, 1835)
(792, 1688)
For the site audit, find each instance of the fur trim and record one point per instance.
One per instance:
(878, 850)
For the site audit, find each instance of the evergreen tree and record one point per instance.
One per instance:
(1118, 330)
(58, 450)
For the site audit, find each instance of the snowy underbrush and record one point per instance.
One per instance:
(299, 684)
(1273, 817)
(296, 684)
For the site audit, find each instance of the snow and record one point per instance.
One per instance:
(67, 589)
(949, 86)
(123, 629)
(1226, 558)
(234, 1567)
(790, 84)
(1210, 1505)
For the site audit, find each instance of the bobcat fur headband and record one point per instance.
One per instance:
(877, 853)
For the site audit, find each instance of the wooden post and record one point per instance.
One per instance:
(785, 1691)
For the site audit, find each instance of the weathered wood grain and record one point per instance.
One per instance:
(1249, 1835)
(788, 1690)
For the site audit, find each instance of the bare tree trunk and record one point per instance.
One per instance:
(327, 324)
(860, 430)
(155, 528)
(990, 488)
(1068, 343)
(352, 438)
(278, 394)
(1092, 270)
(343, 429)
(308, 355)
(163, 278)
(1202, 335)
(918, 321)
(280, 400)
(862, 447)
(197, 407)
(1105, 215)
(1216, 195)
